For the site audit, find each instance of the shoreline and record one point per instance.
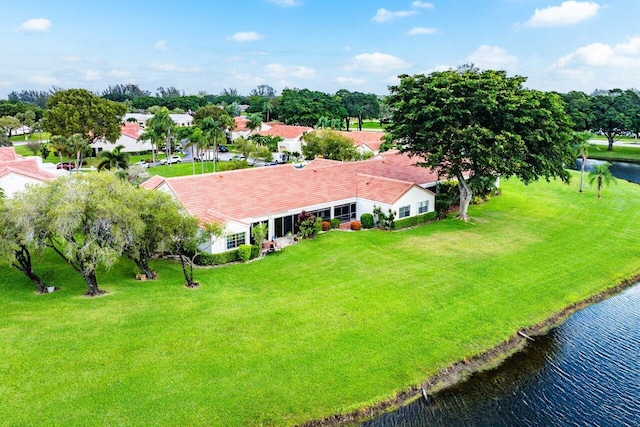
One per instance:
(460, 370)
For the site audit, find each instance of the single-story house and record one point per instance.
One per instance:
(179, 119)
(241, 129)
(16, 172)
(276, 195)
(129, 134)
(291, 136)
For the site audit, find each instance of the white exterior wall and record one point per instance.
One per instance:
(291, 145)
(219, 245)
(13, 183)
(366, 206)
(130, 145)
(411, 198)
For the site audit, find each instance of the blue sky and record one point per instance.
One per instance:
(327, 45)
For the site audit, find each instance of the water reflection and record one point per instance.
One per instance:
(585, 372)
(622, 170)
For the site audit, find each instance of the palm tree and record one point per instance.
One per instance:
(59, 144)
(158, 130)
(255, 121)
(114, 159)
(214, 128)
(78, 145)
(602, 175)
(582, 150)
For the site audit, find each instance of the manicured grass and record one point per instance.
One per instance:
(619, 153)
(324, 326)
(31, 137)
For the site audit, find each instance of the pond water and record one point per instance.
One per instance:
(622, 170)
(586, 372)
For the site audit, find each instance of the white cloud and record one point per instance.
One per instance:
(119, 73)
(173, 68)
(38, 25)
(245, 36)
(423, 5)
(377, 63)
(568, 13)
(161, 45)
(602, 55)
(286, 3)
(43, 80)
(90, 76)
(384, 15)
(281, 71)
(416, 31)
(491, 57)
(351, 81)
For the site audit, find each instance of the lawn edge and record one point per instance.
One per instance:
(459, 371)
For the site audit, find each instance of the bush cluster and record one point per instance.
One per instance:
(366, 219)
(415, 220)
(326, 225)
(244, 253)
(227, 257)
(335, 223)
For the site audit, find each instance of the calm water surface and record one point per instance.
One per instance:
(586, 372)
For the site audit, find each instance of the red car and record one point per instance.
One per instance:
(66, 166)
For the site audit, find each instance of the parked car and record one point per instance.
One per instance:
(223, 149)
(171, 160)
(66, 166)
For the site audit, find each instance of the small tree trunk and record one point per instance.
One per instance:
(143, 264)
(584, 162)
(347, 121)
(23, 258)
(599, 185)
(359, 123)
(92, 284)
(188, 275)
(610, 140)
(465, 197)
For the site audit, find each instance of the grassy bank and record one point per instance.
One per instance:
(326, 326)
(624, 153)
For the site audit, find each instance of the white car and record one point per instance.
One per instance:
(171, 160)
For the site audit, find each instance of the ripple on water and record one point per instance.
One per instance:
(586, 372)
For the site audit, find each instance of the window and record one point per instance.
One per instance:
(404, 211)
(235, 240)
(345, 212)
(423, 206)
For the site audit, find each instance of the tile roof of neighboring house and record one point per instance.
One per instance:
(28, 166)
(241, 124)
(7, 154)
(258, 192)
(131, 130)
(286, 131)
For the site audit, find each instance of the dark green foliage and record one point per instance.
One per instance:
(415, 220)
(217, 259)
(308, 224)
(304, 107)
(382, 220)
(244, 253)
(335, 223)
(366, 220)
(442, 205)
(255, 251)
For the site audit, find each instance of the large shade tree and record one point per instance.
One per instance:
(78, 111)
(611, 112)
(86, 219)
(470, 123)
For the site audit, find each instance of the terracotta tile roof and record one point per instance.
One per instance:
(7, 154)
(363, 137)
(132, 130)
(241, 124)
(259, 192)
(286, 131)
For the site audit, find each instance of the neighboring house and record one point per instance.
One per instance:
(365, 141)
(241, 129)
(291, 136)
(16, 172)
(129, 133)
(178, 119)
(240, 199)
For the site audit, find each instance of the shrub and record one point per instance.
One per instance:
(414, 220)
(355, 225)
(308, 224)
(259, 232)
(255, 251)
(326, 226)
(382, 220)
(244, 253)
(217, 259)
(366, 220)
(335, 223)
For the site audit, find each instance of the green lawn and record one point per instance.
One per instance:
(325, 326)
(619, 153)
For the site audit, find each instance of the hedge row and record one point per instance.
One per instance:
(414, 220)
(225, 257)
